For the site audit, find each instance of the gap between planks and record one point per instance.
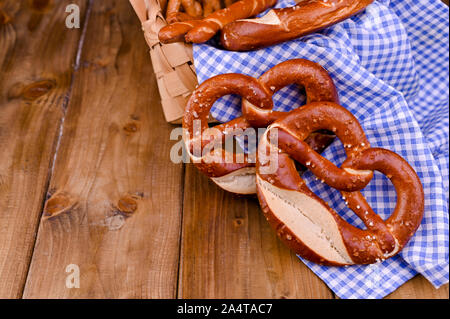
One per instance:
(61, 127)
(64, 106)
(33, 89)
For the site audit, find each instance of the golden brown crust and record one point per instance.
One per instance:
(208, 27)
(192, 7)
(179, 17)
(316, 81)
(300, 71)
(198, 108)
(293, 22)
(318, 84)
(175, 32)
(173, 7)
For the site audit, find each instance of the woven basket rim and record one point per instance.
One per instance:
(173, 63)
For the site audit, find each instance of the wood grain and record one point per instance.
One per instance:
(36, 57)
(229, 250)
(419, 288)
(114, 204)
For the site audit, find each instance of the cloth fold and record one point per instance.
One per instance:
(390, 64)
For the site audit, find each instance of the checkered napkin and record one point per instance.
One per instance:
(390, 64)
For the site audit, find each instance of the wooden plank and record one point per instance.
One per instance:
(419, 288)
(115, 198)
(36, 57)
(229, 250)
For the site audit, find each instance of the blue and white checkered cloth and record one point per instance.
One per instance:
(390, 64)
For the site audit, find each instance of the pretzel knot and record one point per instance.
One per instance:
(303, 221)
(236, 172)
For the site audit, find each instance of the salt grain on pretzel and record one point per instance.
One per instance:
(318, 86)
(309, 75)
(320, 234)
(230, 175)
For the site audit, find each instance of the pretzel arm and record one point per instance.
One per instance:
(162, 4)
(228, 2)
(175, 32)
(203, 30)
(280, 25)
(209, 6)
(195, 123)
(173, 7)
(192, 7)
(217, 20)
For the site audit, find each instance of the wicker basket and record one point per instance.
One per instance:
(173, 63)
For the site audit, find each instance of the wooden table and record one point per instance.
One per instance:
(86, 180)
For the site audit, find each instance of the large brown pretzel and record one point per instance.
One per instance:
(307, 74)
(303, 221)
(280, 25)
(228, 174)
(257, 112)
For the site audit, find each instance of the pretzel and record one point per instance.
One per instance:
(173, 7)
(231, 176)
(303, 221)
(215, 165)
(192, 7)
(179, 17)
(209, 6)
(315, 79)
(199, 8)
(280, 25)
(203, 30)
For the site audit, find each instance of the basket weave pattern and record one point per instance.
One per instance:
(173, 63)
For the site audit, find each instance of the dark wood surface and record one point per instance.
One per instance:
(85, 176)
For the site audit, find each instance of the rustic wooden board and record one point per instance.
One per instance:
(229, 250)
(36, 57)
(115, 198)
